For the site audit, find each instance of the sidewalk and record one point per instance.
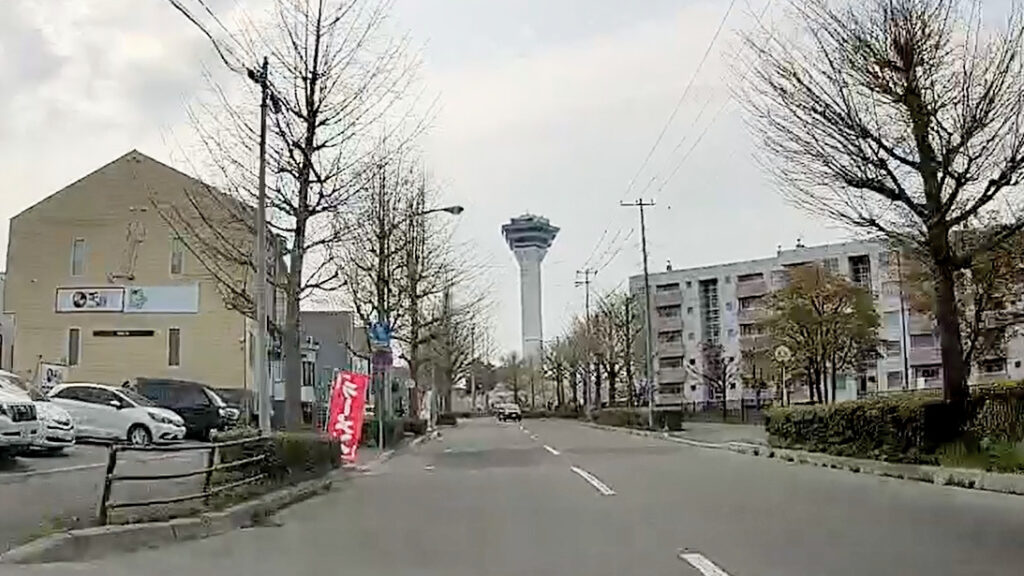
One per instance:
(718, 433)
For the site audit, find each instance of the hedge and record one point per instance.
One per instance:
(288, 457)
(394, 432)
(902, 427)
(447, 419)
(997, 413)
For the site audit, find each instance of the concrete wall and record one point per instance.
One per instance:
(6, 331)
(99, 209)
(531, 303)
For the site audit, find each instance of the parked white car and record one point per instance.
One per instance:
(117, 414)
(56, 427)
(19, 424)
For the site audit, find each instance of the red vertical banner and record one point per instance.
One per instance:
(348, 405)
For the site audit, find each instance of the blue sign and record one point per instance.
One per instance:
(380, 335)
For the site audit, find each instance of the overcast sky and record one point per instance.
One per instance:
(546, 106)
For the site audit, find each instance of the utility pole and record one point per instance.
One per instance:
(587, 274)
(472, 369)
(262, 382)
(648, 357)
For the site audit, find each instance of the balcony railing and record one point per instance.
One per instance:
(754, 341)
(671, 376)
(751, 288)
(668, 297)
(750, 315)
(670, 348)
(925, 356)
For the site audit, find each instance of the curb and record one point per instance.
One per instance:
(939, 475)
(95, 542)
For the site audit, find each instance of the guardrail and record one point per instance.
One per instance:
(212, 465)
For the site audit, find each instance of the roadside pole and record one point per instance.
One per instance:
(648, 356)
(263, 386)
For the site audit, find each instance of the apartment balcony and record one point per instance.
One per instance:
(754, 342)
(668, 298)
(925, 356)
(670, 348)
(918, 324)
(671, 376)
(750, 315)
(669, 395)
(667, 323)
(751, 288)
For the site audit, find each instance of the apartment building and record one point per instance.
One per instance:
(99, 282)
(722, 304)
(6, 330)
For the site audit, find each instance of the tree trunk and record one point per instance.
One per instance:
(515, 390)
(832, 379)
(559, 393)
(611, 385)
(574, 384)
(292, 352)
(533, 394)
(597, 386)
(629, 383)
(954, 373)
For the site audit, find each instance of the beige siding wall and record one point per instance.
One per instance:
(99, 209)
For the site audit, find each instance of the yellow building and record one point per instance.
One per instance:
(98, 281)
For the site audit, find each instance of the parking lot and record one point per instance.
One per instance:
(43, 493)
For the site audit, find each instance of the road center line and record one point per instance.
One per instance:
(593, 481)
(552, 450)
(700, 562)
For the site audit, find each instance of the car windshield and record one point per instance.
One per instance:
(215, 398)
(135, 397)
(15, 383)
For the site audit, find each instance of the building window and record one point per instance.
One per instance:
(689, 336)
(894, 379)
(177, 256)
(928, 373)
(749, 329)
(174, 347)
(78, 257)
(993, 366)
(732, 333)
(671, 362)
(669, 311)
(918, 341)
(893, 349)
(728, 306)
(662, 288)
(74, 346)
(689, 310)
(728, 279)
(831, 265)
(860, 270)
(689, 284)
(693, 362)
(670, 336)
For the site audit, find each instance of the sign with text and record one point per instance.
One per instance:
(345, 416)
(50, 375)
(90, 299)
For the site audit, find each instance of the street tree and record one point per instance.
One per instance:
(511, 371)
(716, 371)
(829, 323)
(898, 118)
(334, 74)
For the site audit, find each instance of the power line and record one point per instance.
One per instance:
(233, 66)
(682, 98)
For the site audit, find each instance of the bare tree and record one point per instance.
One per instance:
(901, 118)
(334, 76)
(450, 349)
(717, 372)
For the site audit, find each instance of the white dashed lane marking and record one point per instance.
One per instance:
(593, 481)
(552, 450)
(700, 562)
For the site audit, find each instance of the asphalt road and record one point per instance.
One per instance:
(563, 499)
(40, 493)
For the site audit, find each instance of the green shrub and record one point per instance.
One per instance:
(287, 458)
(997, 413)
(414, 426)
(622, 417)
(394, 432)
(563, 413)
(897, 428)
(447, 419)
(236, 434)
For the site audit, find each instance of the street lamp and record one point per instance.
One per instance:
(454, 210)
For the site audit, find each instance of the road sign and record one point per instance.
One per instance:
(380, 335)
(783, 354)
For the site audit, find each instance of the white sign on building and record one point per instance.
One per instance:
(90, 299)
(50, 375)
(183, 299)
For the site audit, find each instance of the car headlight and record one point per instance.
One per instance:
(158, 417)
(3, 410)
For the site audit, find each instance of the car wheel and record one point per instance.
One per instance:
(138, 435)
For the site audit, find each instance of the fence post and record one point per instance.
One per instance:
(211, 461)
(107, 482)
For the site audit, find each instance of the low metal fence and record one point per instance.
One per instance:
(213, 465)
(745, 411)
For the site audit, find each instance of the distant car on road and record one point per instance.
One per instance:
(202, 409)
(510, 412)
(19, 422)
(117, 414)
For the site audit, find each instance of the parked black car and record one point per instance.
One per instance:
(202, 409)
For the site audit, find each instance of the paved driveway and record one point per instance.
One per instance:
(41, 493)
